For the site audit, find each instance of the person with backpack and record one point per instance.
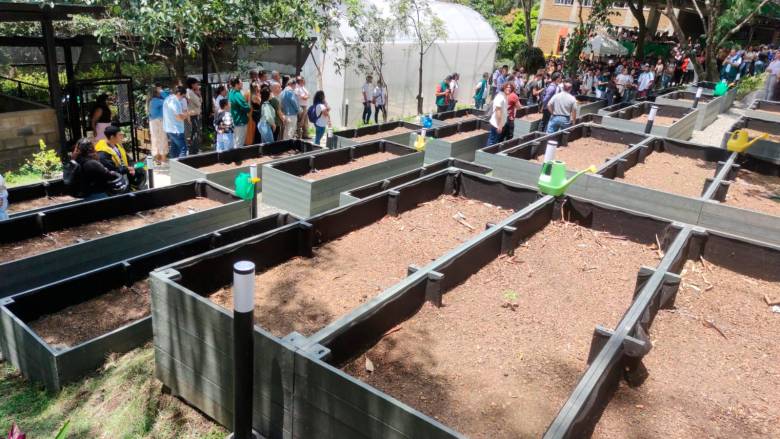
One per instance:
(267, 124)
(480, 90)
(3, 199)
(549, 92)
(319, 115)
(443, 95)
(223, 124)
(87, 177)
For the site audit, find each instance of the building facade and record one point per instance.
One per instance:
(557, 18)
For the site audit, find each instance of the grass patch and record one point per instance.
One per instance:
(21, 178)
(122, 400)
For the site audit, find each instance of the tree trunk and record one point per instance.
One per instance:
(638, 12)
(680, 34)
(419, 85)
(529, 39)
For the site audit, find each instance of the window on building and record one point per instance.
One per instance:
(561, 45)
(564, 2)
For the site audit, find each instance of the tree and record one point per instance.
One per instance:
(365, 50)
(637, 8)
(417, 18)
(600, 12)
(173, 31)
(721, 20)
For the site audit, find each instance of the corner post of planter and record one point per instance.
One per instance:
(243, 349)
(253, 175)
(150, 171)
(651, 118)
(698, 96)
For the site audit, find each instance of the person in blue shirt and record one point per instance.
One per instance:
(731, 66)
(290, 109)
(173, 122)
(156, 132)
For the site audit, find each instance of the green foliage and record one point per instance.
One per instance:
(510, 296)
(45, 162)
(507, 21)
(600, 12)
(750, 84)
(365, 51)
(530, 58)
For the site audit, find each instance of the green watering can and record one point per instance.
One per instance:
(721, 88)
(552, 180)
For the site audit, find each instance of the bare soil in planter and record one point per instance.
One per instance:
(753, 191)
(532, 117)
(253, 161)
(714, 366)
(585, 151)
(671, 173)
(502, 355)
(463, 135)
(95, 317)
(101, 229)
(755, 133)
(774, 109)
(454, 120)
(359, 162)
(381, 135)
(659, 120)
(38, 203)
(304, 294)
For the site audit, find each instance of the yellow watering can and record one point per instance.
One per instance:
(419, 143)
(739, 141)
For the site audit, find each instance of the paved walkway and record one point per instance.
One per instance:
(713, 134)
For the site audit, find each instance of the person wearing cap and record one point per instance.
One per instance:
(563, 108)
(645, 81)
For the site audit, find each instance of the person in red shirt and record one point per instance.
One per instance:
(513, 103)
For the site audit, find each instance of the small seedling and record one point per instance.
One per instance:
(510, 298)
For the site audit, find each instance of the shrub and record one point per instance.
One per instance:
(750, 84)
(45, 162)
(530, 58)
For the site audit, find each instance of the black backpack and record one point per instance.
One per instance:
(71, 176)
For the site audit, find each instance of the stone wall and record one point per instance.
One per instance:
(21, 130)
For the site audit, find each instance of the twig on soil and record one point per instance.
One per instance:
(705, 263)
(658, 243)
(459, 217)
(392, 330)
(711, 324)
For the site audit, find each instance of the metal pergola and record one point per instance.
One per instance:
(46, 14)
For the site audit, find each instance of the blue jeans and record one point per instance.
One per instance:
(178, 145)
(558, 123)
(266, 133)
(224, 141)
(494, 136)
(318, 133)
(366, 113)
(3, 208)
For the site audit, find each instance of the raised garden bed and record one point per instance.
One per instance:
(458, 141)
(527, 120)
(589, 105)
(54, 245)
(709, 89)
(765, 149)
(310, 185)
(614, 107)
(60, 332)
(713, 363)
(223, 167)
(343, 258)
(521, 162)
(676, 167)
(764, 110)
(708, 107)
(36, 197)
(456, 116)
(754, 191)
(670, 121)
(361, 192)
(397, 132)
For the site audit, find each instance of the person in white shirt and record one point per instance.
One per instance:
(302, 93)
(367, 91)
(772, 77)
(454, 86)
(645, 81)
(380, 100)
(322, 115)
(624, 81)
(499, 116)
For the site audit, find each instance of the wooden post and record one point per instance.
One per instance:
(55, 92)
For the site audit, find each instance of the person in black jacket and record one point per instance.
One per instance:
(94, 181)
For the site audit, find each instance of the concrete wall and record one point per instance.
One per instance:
(20, 130)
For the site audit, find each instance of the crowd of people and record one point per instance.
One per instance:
(266, 108)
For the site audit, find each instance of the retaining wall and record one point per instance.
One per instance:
(346, 137)
(708, 107)
(681, 129)
(437, 149)
(764, 110)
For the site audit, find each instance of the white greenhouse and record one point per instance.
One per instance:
(468, 49)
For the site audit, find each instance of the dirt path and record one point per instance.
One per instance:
(703, 384)
(304, 295)
(503, 354)
(74, 235)
(671, 173)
